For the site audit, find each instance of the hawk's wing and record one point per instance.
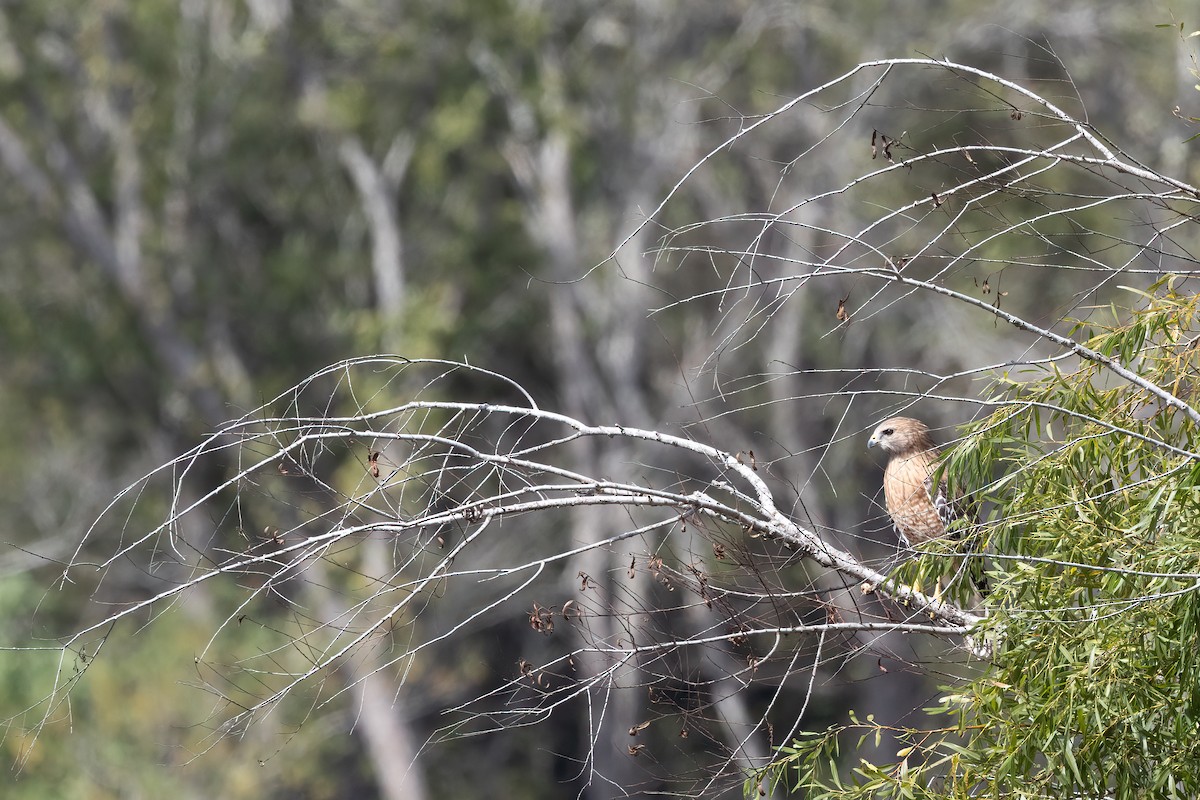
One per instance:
(948, 508)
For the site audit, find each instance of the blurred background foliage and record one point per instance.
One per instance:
(207, 200)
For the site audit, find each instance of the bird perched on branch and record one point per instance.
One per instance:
(919, 510)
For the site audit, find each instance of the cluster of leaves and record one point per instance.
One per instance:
(1094, 539)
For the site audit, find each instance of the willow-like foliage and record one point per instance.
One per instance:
(1092, 536)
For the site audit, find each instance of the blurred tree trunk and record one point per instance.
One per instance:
(378, 709)
(541, 165)
(377, 185)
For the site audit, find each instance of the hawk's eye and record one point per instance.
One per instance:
(886, 432)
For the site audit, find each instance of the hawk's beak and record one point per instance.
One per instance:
(872, 442)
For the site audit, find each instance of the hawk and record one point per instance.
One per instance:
(919, 512)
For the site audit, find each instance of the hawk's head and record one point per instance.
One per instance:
(901, 435)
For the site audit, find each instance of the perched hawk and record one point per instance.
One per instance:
(918, 510)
